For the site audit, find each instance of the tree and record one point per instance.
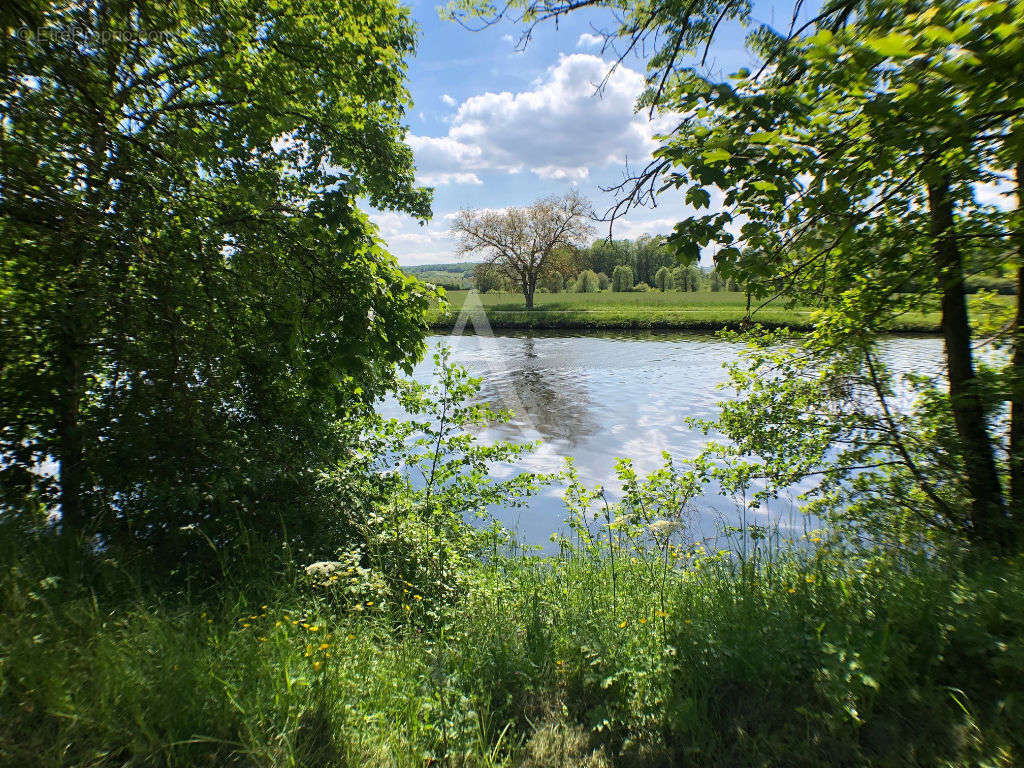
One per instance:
(603, 281)
(847, 163)
(521, 242)
(604, 255)
(663, 279)
(191, 303)
(587, 282)
(487, 278)
(622, 279)
(553, 282)
(649, 254)
(686, 278)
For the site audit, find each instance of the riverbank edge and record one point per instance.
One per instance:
(564, 321)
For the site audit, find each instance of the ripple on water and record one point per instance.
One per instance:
(601, 396)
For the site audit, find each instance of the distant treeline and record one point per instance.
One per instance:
(643, 264)
(452, 276)
(646, 265)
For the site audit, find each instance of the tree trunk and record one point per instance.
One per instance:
(987, 511)
(529, 288)
(1017, 376)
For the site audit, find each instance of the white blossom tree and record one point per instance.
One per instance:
(520, 242)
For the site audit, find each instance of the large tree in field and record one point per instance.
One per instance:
(847, 167)
(525, 242)
(190, 300)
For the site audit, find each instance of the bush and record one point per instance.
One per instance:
(603, 281)
(642, 287)
(622, 278)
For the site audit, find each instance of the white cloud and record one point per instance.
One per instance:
(508, 38)
(448, 100)
(440, 179)
(412, 243)
(587, 40)
(561, 129)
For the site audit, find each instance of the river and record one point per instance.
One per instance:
(599, 396)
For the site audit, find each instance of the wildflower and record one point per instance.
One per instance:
(416, 597)
(369, 602)
(324, 646)
(661, 614)
(406, 607)
(809, 579)
(317, 665)
(622, 625)
(643, 620)
(351, 637)
(791, 590)
(246, 625)
(314, 628)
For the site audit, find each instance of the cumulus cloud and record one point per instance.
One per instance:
(587, 40)
(448, 100)
(560, 129)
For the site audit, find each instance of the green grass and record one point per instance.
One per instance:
(798, 660)
(651, 309)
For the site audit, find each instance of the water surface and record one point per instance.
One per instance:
(596, 397)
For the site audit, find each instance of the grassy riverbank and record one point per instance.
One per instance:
(583, 659)
(649, 310)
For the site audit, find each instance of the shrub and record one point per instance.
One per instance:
(603, 281)
(642, 287)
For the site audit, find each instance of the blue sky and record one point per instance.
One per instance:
(493, 126)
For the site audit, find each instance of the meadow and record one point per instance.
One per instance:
(599, 656)
(679, 310)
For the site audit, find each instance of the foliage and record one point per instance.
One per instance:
(192, 303)
(525, 244)
(487, 278)
(631, 643)
(587, 282)
(663, 279)
(622, 279)
(846, 166)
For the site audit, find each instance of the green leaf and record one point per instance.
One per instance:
(698, 197)
(716, 155)
(765, 186)
(894, 45)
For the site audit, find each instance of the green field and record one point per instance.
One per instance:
(652, 309)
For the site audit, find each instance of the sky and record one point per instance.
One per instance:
(493, 125)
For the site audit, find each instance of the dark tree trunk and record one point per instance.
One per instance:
(1017, 379)
(529, 288)
(987, 510)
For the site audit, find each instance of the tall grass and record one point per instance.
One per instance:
(801, 658)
